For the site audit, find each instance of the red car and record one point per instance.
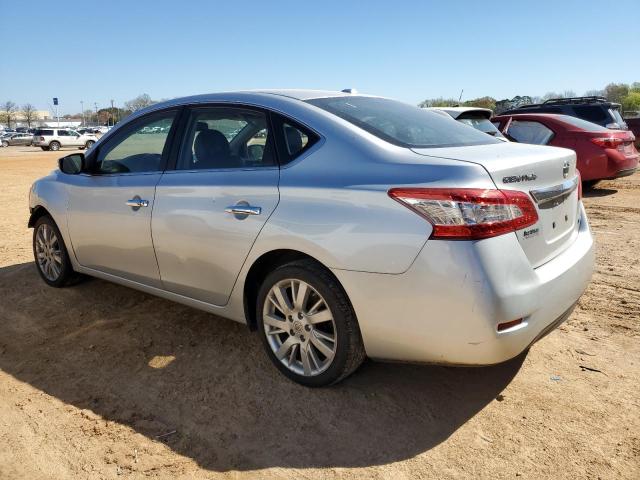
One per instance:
(602, 153)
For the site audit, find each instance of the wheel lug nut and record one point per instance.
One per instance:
(290, 318)
(299, 315)
(291, 332)
(307, 327)
(302, 337)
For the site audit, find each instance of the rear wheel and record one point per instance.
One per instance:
(308, 326)
(50, 253)
(5, 144)
(55, 146)
(89, 144)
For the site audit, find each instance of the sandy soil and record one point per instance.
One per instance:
(99, 381)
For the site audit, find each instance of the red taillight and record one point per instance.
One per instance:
(579, 184)
(608, 142)
(469, 213)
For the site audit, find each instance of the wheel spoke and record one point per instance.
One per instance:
(301, 296)
(306, 364)
(281, 300)
(314, 358)
(323, 316)
(292, 355)
(285, 347)
(324, 336)
(315, 307)
(57, 257)
(276, 323)
(321, 346)
(55, 269)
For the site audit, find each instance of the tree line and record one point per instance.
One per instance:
(626, 94)
(10, 112)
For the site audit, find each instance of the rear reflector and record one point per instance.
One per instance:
(469, 213)
(508, 325)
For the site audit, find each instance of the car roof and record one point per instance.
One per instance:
(455, 112)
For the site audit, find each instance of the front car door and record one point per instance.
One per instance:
(211, 207)
(110, 209)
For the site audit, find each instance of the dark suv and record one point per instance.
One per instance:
(592, 109)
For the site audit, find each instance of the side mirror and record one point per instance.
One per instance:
(72, 164)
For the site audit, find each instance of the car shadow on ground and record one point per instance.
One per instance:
(594, 192)
(160, 367)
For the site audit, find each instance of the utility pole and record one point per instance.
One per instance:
(82, 107)
(96, 107)
(112, 122)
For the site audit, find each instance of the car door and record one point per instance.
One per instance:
(211, 207)
(109, 213)
(75, 139)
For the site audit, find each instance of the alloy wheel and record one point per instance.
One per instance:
(299, 327)
(48, 252)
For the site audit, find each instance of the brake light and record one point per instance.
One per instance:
(469, 213)
(579, 184)
(608, 142)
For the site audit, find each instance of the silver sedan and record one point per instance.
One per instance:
(335, 225)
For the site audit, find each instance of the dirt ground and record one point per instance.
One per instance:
(100, 381)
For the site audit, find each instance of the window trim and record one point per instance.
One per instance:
(126, 130)
(283, 152)
(189, 110)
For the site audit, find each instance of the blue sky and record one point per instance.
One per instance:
(112, 49)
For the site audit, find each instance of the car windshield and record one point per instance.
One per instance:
(402, 124)
(481, 123)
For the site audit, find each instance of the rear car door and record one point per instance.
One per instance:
(110, 209)
(211, 207)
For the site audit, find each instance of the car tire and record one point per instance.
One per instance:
(5, 144)
(46, 149)
(589, 184)
(299, 347)
(54, 146)
(89, 144)
(51, 255)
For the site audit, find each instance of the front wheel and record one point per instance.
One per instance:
(307, 325)
(50, 253)
(55, 146)
(89, 144)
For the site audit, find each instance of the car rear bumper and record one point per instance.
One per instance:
(447, 306)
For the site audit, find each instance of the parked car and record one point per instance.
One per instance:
(57, 138)
(634, 126)
(88, 130)
(478, 118)
(16, 139)
(358, 226)
(602, 152)
(592, 109)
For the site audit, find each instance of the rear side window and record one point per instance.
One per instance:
(523, 131)
(401, 124)
(583, 124)
(43, 132)
(63, 133)
(592, 113)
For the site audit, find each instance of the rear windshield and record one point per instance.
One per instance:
(582, 124)
(480, 123)
(615, 112)
(402, 124)
(43, 132)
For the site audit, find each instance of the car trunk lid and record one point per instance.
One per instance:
(547, 174)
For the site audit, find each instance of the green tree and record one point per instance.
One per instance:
(482, 102)
(439, 102)
(631, 102)
(615, 92)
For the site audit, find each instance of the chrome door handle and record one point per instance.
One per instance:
(137, 202)
(243, 210)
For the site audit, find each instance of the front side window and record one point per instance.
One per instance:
(523, 131)
(226, 137)
(402, 124)
(139, 148)
(63, 133)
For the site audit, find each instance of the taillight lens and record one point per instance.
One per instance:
(469, 213)
(579, 184)
(608, 142)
